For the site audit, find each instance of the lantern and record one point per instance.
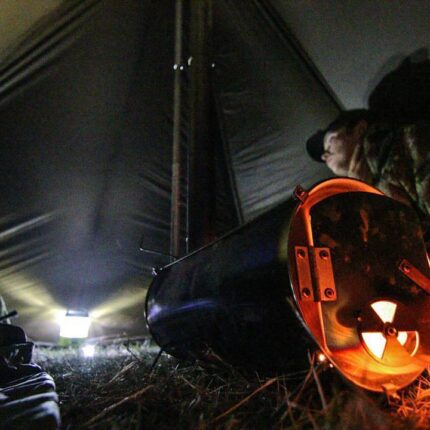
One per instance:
(75, 325)
(340, 268)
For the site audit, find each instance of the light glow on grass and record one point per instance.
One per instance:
(89, 350)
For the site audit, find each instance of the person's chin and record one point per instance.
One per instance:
(332, 166)
(338, 171)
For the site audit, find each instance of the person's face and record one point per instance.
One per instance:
(338, 149)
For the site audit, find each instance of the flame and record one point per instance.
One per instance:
(402, 337)
(376, 342)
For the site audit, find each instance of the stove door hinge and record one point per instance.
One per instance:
(315, 274)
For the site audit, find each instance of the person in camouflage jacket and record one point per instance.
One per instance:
(393, 158)
(399, 162)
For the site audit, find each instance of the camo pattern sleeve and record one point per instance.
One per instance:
(400, 159)
(417, 141)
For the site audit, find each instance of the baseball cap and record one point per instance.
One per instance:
(348, 118)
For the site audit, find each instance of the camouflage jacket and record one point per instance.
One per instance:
(399, 161)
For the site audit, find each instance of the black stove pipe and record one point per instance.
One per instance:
(233, 299)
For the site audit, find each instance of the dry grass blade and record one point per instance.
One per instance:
(121, 373)
(319, 387)
(133, 397)
(244, 400)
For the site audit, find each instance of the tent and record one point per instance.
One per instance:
(86, 120)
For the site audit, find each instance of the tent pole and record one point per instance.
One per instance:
(175, 214)
(201, 173)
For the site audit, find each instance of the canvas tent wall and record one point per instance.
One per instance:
(86, 132)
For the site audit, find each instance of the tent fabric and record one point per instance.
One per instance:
(270, 103)
(85, 155)
(86, 132)
(86, 100)
(355, 43)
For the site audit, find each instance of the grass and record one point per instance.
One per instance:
(121, 389)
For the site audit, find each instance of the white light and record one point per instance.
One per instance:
(88, 350)
(385, 310)
(376, 342)
(402, 337)
(75, 325)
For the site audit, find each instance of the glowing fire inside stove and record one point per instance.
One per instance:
(377, 341)
(385, 310)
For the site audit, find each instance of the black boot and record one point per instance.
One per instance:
(27, 394)
(15, 354)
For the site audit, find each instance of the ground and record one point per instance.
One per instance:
(121, 388)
